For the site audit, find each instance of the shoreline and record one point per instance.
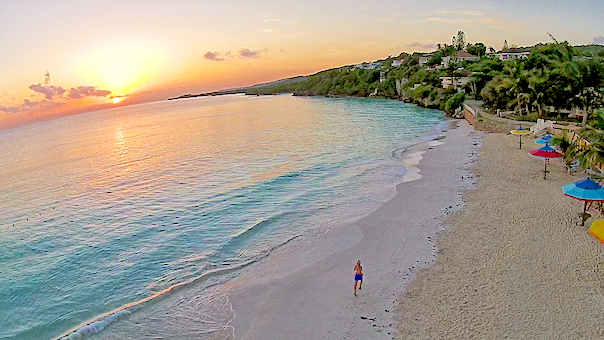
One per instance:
(95, 326)
(292, 292)
(514, 263)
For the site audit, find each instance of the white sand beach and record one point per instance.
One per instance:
(514, 264)
(306, 291)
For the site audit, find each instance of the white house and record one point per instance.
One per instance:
(383, 76)
(459, 56)
(397, 62)
(373, 66)
(369, 66)
(435, 67)
(456, 82)
(513, 53)
(424, 58)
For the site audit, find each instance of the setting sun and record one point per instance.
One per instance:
(212, 153)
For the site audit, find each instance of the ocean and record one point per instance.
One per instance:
(105, 215)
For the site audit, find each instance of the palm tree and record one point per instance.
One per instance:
(587, 87)
(521, 98)
(537, 90)
(567, 142)
(591, 156)
(597, 119)
(515, 82)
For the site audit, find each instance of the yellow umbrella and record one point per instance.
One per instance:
(597, 230)
(520, 131)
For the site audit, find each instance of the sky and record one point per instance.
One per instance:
(64, 57)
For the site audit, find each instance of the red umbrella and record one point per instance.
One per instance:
(546, 152)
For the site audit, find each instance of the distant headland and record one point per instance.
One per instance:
(548, 80)
(245, 90)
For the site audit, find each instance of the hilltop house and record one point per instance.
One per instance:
(383, 76)
(435, 67)
(456, 82)
(424, 58)
(459, 56)
(369, 66)
(397, 62)
(513, 53)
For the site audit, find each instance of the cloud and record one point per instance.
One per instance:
(472, 17)
(422, 46)
(49, 91)
(213, 56)
(462, 12)
(9, 109)
(449, 20)
(599, 40)
(87, 91)
(271, 20)
(248, 54)
(268, 30)
(28, 105)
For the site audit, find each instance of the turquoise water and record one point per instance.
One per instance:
(104, 209)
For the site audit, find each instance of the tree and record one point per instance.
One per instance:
(454, 102)
(591, 98)
(495, 94)
(515, 83)
(588, 87)
(459, 41)
(478, 49)
(597, 119)
(435, 59)
(591, 156)
(544, 56)
(561, 75)
(567, 144)
(537, 85)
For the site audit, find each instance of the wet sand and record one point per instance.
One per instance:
(306, 291)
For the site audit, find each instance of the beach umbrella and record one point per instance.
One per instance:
(587, 191)
(597, 230)
(545, 152)
(520, 131)
(544, 140)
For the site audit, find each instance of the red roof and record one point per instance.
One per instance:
(463, 54)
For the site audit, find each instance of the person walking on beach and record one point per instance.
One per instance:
(358, 276)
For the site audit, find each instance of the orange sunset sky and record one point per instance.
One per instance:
(102, 54)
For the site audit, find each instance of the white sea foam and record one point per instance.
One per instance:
(149, 197)
(411, 162)
(98, 325)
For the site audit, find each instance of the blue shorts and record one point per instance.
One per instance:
(358, 277)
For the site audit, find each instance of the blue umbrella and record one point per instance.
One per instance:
(585, 190)
(545, 139)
